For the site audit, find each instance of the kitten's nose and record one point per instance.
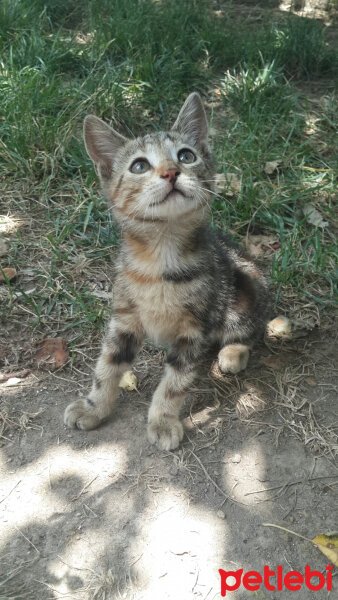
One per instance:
(170, 174)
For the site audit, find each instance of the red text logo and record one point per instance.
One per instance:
(275, 580)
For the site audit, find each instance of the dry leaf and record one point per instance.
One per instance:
(234, 184)
(313, 216)
(279, 327)
(8, 272)
(231, 183)
(216, 372)
(128, 381)
(51, 353)
(219, 182)
(271, 166)
(273, 246)
(328, 545)
(257, 245)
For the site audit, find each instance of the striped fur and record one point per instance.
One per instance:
(177, 281)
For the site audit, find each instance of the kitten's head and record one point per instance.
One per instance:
(159, 176)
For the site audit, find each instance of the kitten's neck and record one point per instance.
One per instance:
(154, 247)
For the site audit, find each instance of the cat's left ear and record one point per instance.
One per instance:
(192, 121)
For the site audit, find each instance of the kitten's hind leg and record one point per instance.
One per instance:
(233, 358)
(118, 351)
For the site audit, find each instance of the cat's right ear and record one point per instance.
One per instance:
(192, 121)
(102, 142)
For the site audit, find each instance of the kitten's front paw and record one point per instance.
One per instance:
(166, 431)
(233, 358)
(80, 414)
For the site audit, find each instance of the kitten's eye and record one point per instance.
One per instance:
(139, 166)
(186, 156)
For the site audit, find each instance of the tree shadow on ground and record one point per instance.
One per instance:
(106, 511)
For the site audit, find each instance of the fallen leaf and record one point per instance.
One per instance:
(257, 245)
(219, 182)
(271, 166)
(216, 372)
(7, 273)
(51, 353)
(3, 247)
(234, 184)
(273, 246)
(313, 216)
(128, 381)
(280, 327)
(328, 545)
(231, 183)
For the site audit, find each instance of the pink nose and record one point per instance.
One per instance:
(170, 174)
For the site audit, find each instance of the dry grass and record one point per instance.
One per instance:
(9, 589)
(295, 386)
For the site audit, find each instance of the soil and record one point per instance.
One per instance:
(103, 514)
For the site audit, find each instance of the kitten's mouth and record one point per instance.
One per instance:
(169, 196)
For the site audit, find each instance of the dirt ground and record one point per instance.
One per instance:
(103, 514)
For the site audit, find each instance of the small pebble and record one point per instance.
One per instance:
(236, 458)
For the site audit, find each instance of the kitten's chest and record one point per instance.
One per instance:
(160, 279)
(161, 310)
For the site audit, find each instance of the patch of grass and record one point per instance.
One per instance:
(9, 589)
(257, 92)
(268, 120)
(133, 62)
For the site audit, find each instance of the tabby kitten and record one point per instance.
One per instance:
(177, 281)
